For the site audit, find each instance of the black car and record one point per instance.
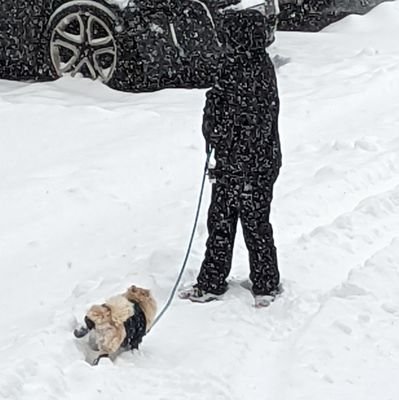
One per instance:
(313, 15)
(130, 45)
(138, 45)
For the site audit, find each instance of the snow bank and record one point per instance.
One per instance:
(120, 3)
(383, 18)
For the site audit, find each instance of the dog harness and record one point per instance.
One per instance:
(135, 327)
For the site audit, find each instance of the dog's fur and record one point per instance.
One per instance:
(109, 318)
(145, 300)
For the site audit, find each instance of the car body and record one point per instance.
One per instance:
(139, 45)
(134, 46)
(313, 15)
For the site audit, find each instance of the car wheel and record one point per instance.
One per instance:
(82, 41)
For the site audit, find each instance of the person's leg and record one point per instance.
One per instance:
(222, 224)
(258, 235)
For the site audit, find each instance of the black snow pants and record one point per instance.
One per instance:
(247, 199)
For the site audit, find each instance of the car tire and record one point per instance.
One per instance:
(82, 40)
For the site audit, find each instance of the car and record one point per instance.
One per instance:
(132, 46)
(139, 45)
(313, 15)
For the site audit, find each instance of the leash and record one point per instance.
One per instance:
(173, 292)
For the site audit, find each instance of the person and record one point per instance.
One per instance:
(240, 122)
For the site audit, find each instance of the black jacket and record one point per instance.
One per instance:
(241, 112)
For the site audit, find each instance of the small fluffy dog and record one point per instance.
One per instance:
(120, 323)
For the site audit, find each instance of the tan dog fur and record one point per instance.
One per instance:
(109, 318)
(145, 300)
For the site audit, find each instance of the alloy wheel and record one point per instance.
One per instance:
(83, 43)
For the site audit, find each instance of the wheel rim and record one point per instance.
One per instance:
(82, 43)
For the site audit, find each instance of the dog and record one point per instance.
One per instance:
(120, 323)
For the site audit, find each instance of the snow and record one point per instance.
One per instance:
(99, 189)
(120, 3)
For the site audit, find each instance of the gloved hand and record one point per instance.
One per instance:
(211, 175)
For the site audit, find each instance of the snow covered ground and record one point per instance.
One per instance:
(98, 191)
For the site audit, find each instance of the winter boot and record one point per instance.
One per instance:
(264, 300)
(197, 295)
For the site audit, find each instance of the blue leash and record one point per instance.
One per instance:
(172, 294)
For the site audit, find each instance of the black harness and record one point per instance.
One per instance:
(135, 327)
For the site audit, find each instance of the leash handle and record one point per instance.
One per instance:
(173, 292)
